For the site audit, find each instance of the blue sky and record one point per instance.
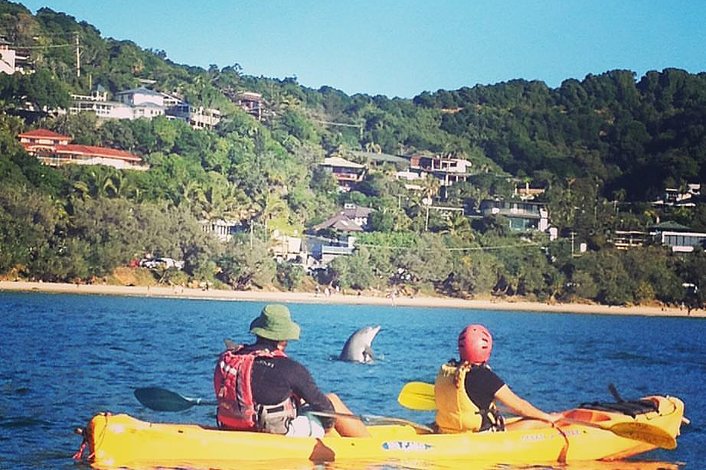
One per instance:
(404, 47)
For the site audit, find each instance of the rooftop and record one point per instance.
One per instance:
(44, 133)
(341, 162)
(97, 152)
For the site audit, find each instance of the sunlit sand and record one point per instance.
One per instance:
(339, 298)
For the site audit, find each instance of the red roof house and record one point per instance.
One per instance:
(55, 149)
(42, 139)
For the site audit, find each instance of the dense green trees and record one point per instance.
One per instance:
(603, 147)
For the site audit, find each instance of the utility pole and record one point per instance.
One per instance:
(78, 57)
(573, 234)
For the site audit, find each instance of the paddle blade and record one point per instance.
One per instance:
(160, 399)
(646, 433)
(417, 396)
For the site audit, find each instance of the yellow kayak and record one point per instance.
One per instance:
(588, 433)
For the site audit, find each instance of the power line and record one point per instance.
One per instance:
(475, 248)
(45, 47)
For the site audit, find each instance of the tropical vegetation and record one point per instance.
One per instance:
(603, 147)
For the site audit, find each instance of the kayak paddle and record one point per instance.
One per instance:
(160, 399)
(420, 396)
(417, 396)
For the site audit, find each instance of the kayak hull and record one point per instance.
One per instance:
(123, 441)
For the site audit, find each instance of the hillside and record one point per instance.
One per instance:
(602, 148)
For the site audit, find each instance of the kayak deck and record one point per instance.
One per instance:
(123, 441)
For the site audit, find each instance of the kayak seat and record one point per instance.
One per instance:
(589, 416)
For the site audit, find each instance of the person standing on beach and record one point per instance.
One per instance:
(466, 391)
(259, 388)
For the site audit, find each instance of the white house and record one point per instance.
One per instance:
(140, 96)
(7, 58)
(142, 102)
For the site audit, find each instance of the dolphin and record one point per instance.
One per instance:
(358, 347)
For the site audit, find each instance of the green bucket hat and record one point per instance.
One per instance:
(275, 323)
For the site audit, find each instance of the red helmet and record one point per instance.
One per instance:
(475, 344)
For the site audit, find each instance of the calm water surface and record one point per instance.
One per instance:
(65, 357)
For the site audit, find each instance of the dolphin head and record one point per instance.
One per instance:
(358, 348)
(368, 333)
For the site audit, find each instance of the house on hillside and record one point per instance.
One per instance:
(380, 159)
(287, 247)
(130, 104)
(7, 57)
(143, 102)
(522, 215)
(197, 117)
(684, 197)
(351, 219)
(54, 149)
(250, 102)
(97, 102)
(92, 155)
(140, 96)
(679, 238)
(627, 239)
(13, 60)
(346, 173)
(448, 170)
(220, 228)
(413, 180)
(322, 251)
(41, 141)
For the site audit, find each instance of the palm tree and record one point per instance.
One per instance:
(458, 225)
(430, 188)
(269, 206)
(191, 193)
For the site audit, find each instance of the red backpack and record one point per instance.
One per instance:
(233, 386)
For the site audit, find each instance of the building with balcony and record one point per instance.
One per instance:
(522, 215)
(222, 229)
(627, 239)
(140, 96)
(42, 140)
(448, 170)
(346, 173)
(251, 102)
(142, 102)
(680, 238)
(54, 149)
(198, 117)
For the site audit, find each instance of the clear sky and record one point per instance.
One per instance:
(404, 47)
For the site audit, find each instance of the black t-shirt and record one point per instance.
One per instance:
(276, 378)
(481, 386)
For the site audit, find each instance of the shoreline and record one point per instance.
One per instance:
(338, 298)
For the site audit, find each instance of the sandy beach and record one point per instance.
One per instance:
(338, 298)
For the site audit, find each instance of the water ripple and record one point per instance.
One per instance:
(90, 353)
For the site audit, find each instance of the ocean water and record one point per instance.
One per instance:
(63, 358)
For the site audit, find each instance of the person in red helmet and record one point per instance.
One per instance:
(466, 390)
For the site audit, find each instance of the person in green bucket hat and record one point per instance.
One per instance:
(275, 323)
(260, 388)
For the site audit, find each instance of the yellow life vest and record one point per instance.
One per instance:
(455, 410)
